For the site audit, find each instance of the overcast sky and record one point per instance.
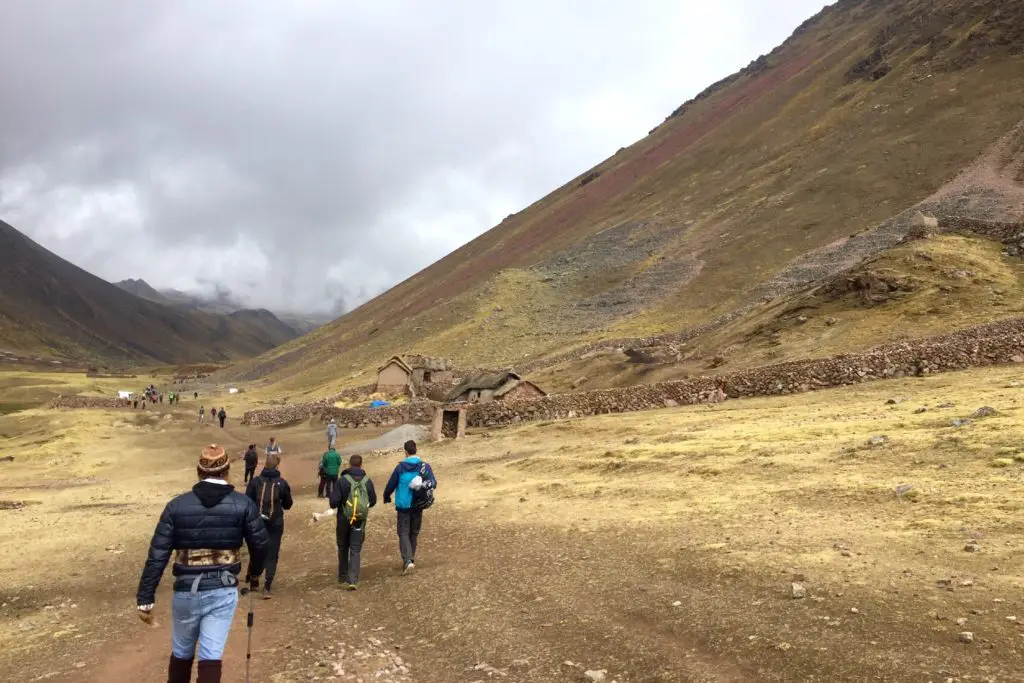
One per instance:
(299, 153)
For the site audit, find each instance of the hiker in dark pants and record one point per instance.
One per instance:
(222, 416)
(329, 466)
(252, 459)
(353, 497)
(412, 484)
(204, 530)
(272, 496)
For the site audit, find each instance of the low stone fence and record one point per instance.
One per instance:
(295, 412)
(87, 402)
(415, 412)
(995, 343)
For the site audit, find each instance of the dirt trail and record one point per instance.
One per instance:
(655, 547)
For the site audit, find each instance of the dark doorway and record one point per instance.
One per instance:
(426, 376)
(450, 424)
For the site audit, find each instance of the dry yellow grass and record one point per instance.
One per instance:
(718, 507)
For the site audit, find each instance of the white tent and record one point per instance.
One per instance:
(125, 394)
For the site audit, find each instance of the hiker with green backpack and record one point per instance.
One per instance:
(353, 496)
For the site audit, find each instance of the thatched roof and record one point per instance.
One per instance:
(491, 381)
(396, 360)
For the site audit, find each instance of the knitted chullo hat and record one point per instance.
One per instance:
(213, 463)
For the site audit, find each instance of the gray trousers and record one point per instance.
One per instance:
(350, 544)
(409, 523)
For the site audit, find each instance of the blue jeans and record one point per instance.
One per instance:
(205, 617)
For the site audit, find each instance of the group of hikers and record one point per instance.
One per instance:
(206, 528)
(151, 395)
(215, 414)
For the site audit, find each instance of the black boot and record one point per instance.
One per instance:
(179, 670)
(209, 671)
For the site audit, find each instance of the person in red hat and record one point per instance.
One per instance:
(205, 529)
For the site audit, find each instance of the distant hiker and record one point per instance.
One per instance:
(332, 434)
(195, 395)
(135, 404)
(143, 404)
(222, 416)
(252, 459)
(353, 497)
(412, 484)
(161, 398)
(205, 529)
(272, 496)
(273, 447)
(202, 414)
(329, 466)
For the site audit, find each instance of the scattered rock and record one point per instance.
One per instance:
(785, 647)
(903, 489)
(7, 458)
(972, 547)
(1017, 359)
(984, 411)
(831, 322)
(802, 319)
(878, 441)
(79, 665)
(921, 410)
(966, 637)
(1013, 619)
(948, 404)
(677, 603)
(854, 610)
(966, 583)
(797, 591)
(961, 422)
(895, 401)
(11, 504)
(962, 621)
(595, 676)
(669, 403)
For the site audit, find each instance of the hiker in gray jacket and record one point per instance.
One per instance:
(332, 434)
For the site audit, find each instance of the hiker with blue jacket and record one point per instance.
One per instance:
(412, 484)
(353, 496)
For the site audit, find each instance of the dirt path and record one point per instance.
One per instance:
(657, 547)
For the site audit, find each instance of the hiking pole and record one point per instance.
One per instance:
(248, 647)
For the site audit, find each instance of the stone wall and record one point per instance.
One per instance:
(995, 343)
(87, 402)
(414, 412)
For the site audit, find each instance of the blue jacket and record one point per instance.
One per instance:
(398, 484)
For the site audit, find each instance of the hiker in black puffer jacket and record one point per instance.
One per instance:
(272, 496)
(205, 528)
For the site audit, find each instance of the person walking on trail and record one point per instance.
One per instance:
(205, 529)
(202, 414)
(273, 447)
(272, 496)
(329, 466)
(332, 434)
(195, 395)
(222, 416)
(252, 459)
(353, 497)
(412, 483)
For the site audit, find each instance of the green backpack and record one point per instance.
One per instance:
(357, 506)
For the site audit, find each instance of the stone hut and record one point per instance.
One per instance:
(393, 376)
(496, 386)
(415, 374)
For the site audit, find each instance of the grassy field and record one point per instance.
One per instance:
(659, 546)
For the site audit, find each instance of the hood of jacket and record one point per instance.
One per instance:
(210, 494)
(410, 464)
(356, 473)
(270, 473)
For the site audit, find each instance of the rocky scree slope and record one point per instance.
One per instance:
(740, 195)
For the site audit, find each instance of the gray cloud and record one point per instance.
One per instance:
(296, 154)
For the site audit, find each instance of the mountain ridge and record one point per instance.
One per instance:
(49, 305)
(867, 110)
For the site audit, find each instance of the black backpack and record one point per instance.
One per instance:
(269, 499)
(423, 497)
